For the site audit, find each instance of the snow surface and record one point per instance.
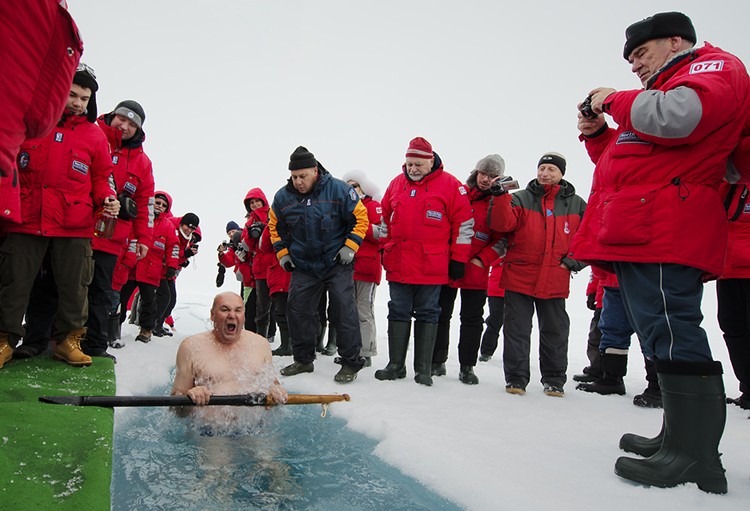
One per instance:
(478, 446)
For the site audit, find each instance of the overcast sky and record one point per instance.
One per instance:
(230, 88)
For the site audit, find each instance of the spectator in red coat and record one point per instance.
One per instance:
(257, 207)
(41, 47)
(486, 247)
(368, 268)
(134, 181)
(63, 177)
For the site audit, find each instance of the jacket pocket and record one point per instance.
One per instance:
(80, 166)
(79, 212)
(627, 217)
(391, 258)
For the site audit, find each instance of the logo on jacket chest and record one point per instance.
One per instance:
(115, 159)
(566, 228)
(80, 167)
(58, 137)
(434, 215)
(129, 188)
(23, 160)
(709, 66)
(482, 236)
(159, 244)
(628, 137)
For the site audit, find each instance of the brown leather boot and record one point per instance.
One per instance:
(69, 349)
(144, 335)
(6, 352)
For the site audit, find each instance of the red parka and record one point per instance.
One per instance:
(367, 260)
(486, 245)
(493, 279)
(277, 278)
(164, 251)
(134, 177)
(737, 201)
(39, 50)
(258, 260)
(64, 179)
(429, 223)
(655, 193)
(540, 221)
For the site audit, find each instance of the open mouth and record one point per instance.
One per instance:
(231, 327)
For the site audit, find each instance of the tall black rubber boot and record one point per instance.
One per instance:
(614, 367)
(330, 348)
(285, 348)
(424, 343)
(319, 345)
(694, 417)
(651, 397)
(398, 344)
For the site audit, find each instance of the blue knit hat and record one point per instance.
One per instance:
(232, 226)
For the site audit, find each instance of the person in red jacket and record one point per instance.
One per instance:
(257, 207)
(541, 221)
(160, 261)
(41, 48)
(486, 247)
(368, 269)
(733, 288)
(661, 170)
(430, 228)
(64, 177)
(134, 181)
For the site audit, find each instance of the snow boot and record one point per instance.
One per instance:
(588, 375)
(297, 368)
(651, 397)
(346, 374)
(284, 349)
(642, 445)
(438, 369)
(330, 348)
(424, 343)
(398, 344)
(319, 346)
(69, 349)
(694, 417)
(143, 336)
(467, 376)
(614, 367)
(6, 351)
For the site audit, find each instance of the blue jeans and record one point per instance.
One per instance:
(663, 302)
(421, 302)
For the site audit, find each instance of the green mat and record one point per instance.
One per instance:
(55, 456)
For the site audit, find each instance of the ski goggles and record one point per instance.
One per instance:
(85, 68)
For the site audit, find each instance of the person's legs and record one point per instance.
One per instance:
(472, 311)
(400, 305)
(304, 294)
(100, 303)
(339, 283)
(494, 323)
(519, 309)
(446, 301)
(554, 328)
(280, 305)
(734, 319)
(263, 307)
(40, 314)
(593, 371)
(365, 295)
(426, 314)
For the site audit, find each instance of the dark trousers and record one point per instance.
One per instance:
(663, 302)
(21, 257)
(263, 303)
(40, 313)
(166, 299)
(592, 344)
(470, 333)
(147, 293)
(279, 306)
(494, 323)
(734, 319)
(304, 295)
(100, 302)
(418, 301)
(251, 305)
(554, 327)
(614, 323)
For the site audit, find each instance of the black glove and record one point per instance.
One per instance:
(220, 275)
(171, 272)
(591, 301)
(456, 270)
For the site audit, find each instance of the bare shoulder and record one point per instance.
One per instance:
(194, 341)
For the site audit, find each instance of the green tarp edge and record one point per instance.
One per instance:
(55, 456)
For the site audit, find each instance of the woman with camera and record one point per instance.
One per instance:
(257, 206)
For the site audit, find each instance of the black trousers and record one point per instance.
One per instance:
(734, 319)
(554, 327)
(472, 321)
(100, 302)
(147, 293)
(166, 299)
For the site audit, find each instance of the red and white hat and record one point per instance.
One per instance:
(419, 148)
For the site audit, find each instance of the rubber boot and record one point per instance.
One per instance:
(319, 346)
(651, 397)
(424, 343)
(466, 375)
(69, 349)
(330, 348)
(642, 445)
(398, 344)
(285, 348)
(6, 351)
(614, 367)
(694, 417)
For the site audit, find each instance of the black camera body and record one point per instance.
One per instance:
(128, 207)
(586, 109)
(255, 230)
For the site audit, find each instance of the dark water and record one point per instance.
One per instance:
(286, 458)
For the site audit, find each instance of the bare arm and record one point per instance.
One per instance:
(184, 380)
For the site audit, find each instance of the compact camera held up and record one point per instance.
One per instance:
(504, 185)
(255, 229)
(586, 109)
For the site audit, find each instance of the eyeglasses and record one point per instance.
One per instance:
(85, 68)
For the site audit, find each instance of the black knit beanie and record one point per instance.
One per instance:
(301, 158)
